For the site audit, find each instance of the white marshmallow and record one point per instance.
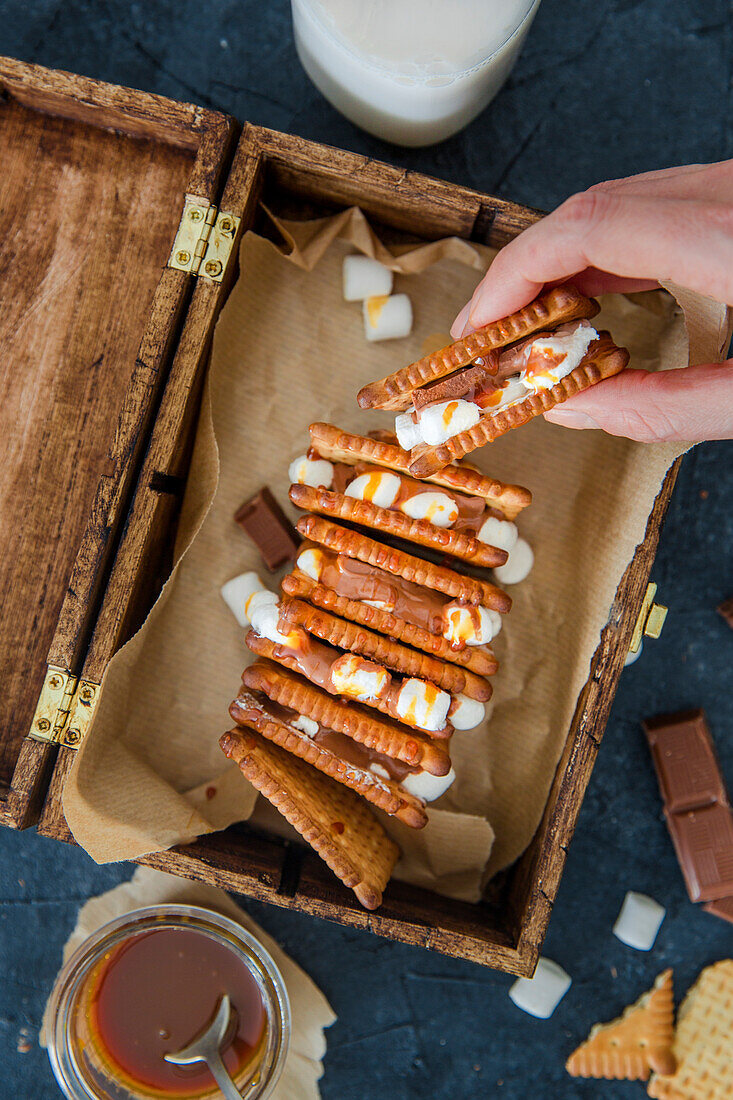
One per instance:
(423, 705)
(262, 598)
(387, 318)
(237, 592)
(496, 621)
(307, 725)
(265, 617)
(438, 508)
(382, 605)
(632, 657)
(639, 921)
(460, 627)
(310, 562)
(518, 566)
(380, 488)
(426, 786)
(407, 430)
(570, 342)
(359, 679)
(498, 532)
(514, 391)
(439, 423)
(308, 471)
(364, 277)
(377, 769)
(466, 713)
(540, 996)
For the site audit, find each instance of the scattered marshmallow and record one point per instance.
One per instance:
(466, 713)
(518, 566)
(438, 423)
(306, 725)
(359, 679)
(387, 317)
(639, 921)
(309, 471)
(426, 786)
(310, 561)
(380, 488)
(631, 657)
(540, 995)
(407, 431)
(501, 533)
(365, 278)
(437, 508)
(237, 592)
(422, 704)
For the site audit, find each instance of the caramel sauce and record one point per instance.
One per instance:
(448, 413)
(374, 307)
(156, 992)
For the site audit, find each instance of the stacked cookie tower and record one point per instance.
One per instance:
(380, 644)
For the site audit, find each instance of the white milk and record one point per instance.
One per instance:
(410, 71)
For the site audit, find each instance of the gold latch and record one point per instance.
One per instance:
(204, 241)
(650, 621)
(65, 708)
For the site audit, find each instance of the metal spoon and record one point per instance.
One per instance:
(206, 1047)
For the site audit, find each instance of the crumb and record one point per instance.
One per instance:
(24, 1043)
(21, 882)
(614, 972)
(210, 792)
(704, 494)
(476, 1068)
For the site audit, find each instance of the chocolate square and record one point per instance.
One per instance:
(703, 840)
(262, 518)
(685, 761)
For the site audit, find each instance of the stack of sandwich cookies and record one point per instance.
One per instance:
(495, 379)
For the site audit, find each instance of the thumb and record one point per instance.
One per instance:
(686, 405)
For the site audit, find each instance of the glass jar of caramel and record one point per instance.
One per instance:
(145, 985)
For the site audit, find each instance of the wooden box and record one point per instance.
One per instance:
(120, 213)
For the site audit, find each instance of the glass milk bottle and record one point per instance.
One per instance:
(410, 71)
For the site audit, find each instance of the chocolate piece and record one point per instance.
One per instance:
(263, 520)
(703, 840)
(685, 761)
(463, 384)
(721, 907)
(726, 610)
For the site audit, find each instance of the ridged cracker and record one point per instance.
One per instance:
(389, 521)
(360, 723)
(339, 446)
(248, 710)
(384, 650)
(637, 1043)
(604, 359)
(703, 1042)
(263, 647)
(335, 821)
(479, 659)
(555, 307)
(438, 577)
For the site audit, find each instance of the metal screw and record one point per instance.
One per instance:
(54, 682)
(195, 214)
(226, 225)
(72, 737)
(43, 724)
(213, 268)
(183, 257)
(86, 694)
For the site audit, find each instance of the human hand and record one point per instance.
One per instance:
(625, 235)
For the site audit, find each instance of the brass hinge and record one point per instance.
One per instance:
(65, 708)
(205, 240)
(650, 621)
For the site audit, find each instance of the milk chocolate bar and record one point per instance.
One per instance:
(721, 907)
(263, 520)
(726, 610)
(697, 810)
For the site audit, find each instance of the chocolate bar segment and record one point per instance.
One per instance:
(703, 840)
(726, 610)
(721, 907)
(463, 384)
(263, 520)
(685, 761)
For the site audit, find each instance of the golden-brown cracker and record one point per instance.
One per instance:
(603, 360)
(389, 521)
(384, 650)
(637, 1043)
(336, 823)
(556, 307)
(438, 577)
(339, 446)
(361, 724)
(703, 1044)
(249, 710)
(263, 647)
(479, 659)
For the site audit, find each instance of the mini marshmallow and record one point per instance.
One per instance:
(265, 617)
(236, 594)
(572, 343)
(461, 627)
(465, 713)
(439, 423)
(387, 317)
(639, 921)
(499, 532)
(359, 679)
(364, 278)
(380, 488)
(540, 996)
(427, 787)
(307, 725)
(514, 392)
(310, 562)
(309, 471)
(632, 657)
(518, 566)
(407, 431)
(437, 508)
(423, 704)
(495, 620)
(377, 769)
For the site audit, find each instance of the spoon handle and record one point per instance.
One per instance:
(221, 1076)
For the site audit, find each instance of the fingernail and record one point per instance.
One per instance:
(570, 418)
(456, 329)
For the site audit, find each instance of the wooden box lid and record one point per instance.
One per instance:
(92, 191)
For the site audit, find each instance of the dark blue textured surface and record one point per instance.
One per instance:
(602, 90)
